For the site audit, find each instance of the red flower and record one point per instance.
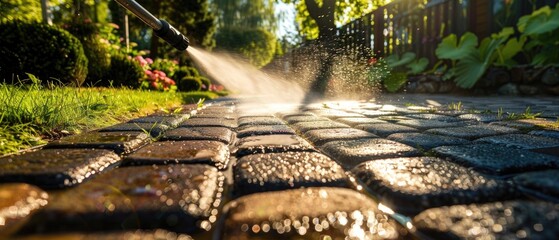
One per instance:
(372, 61)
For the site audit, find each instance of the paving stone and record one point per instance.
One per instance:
(480, 117)
(218, 109)
(423, 124)
(180, 198)
(254, 121)
(228, 116)
(554, 151)
(265, 130)
(221, 134)
(296, 119)
(356, 121)
(271, 144)
(438, 117)
(426, 141)
(209, 122)
(17, 203)
(172, 120)
(497, 159)
(385, 129)
(308, 213)
(523, 141)
(307, 126)
(500, 220)
(353, 152)
(541, 184)
(546, 133)
(286, 114)
(411, 185)
(321, 136)
(473, 132)
(154, 129)
(280, 171)
(56, 168)
(132, 235)
(372, 113)
(119, 142)
(170, 152)
(393, 119)
(332, 113)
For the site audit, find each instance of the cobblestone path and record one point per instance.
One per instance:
(396, 167)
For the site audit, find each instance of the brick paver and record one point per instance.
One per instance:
(396, 167)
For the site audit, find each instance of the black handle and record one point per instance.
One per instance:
(172, 36)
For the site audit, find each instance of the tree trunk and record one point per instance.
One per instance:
(324, 16)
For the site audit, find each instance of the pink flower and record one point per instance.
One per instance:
(113, 25)
(149, 60)
(372, 61)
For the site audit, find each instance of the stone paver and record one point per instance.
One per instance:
(119, 142)
(310, 213)
(169, 120)
(154, 129)
(426, 141)
(280, 171)
(180, 198)
(523, 141)
(221, 134)
(423, 124)
(131, 235)
(410, 185)
(254, 121)
(542, 184)
(546, 133)
(207, 152)
(307, 126)
(353, 152)
(209, 122)
(437, 117)
(356, 121)
(480, 117)
(497, 159)
(18, 202)
(296, 119)
(271, 144)
(473, 132)
(385, 129)
(56, 168)
(501, 220)
(333, 114)
(264, 130)
(321, 136)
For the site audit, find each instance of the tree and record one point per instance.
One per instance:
(24, 10)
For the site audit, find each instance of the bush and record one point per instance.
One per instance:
(96, 52)
(46, 51)
(205, 82)
(9, 63)
(193, 71)
(124, 71)
(256, 44)
(165, 65)
(181, 73)
(189, 84)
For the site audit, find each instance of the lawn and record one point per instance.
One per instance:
(30, 115)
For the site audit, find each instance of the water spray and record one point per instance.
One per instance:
(160, 27)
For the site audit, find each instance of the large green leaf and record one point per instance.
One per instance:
(395, 61)
(510, 50)
(472, 67)
(395, 81)
(418, 66)
(541, 23)
(449, 48)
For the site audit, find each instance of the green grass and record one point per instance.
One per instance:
(30, 115)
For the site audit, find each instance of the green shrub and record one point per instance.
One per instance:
(124, 71)
(256, 44)
(9, 63)
(206, 82)
(193, 71)
(96, 52)
(165, 65)
(189, 84)
(181, 73)
(48, 52)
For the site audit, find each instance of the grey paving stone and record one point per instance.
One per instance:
(321, 136)
(333, 113)
(56, 168)
(473, 132)
(180, 198)
(523, 141)
(255, 121)
(171, 120)
(296, 119)
(541, 184)
(523, 124)
(373, 113)
(154, 129)
(385, 129)
(218, 109)
(553, 151)
(356, 121)
(500, 220)
(172, 152)
(280, 171)
(307, 126)
(480, 117)
(130, 235)
(546, 133)
(393, 119)
(497, 159)
(411, 185)
(209, 122)
(228, 116)
(353, 152)
(119, 142)
(18, 202)
(285, 114)
(271, 144)
(221, 134)
(308, 213)
(423, 124)
(264, 130)
(426, 141)
(438, 117)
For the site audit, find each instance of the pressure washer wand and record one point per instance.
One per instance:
(160, 27)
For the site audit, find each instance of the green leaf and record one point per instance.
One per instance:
(509, 50)
(469, 70)
(449, 48)
(525, 19)
(395, 61)
(542, 23)
(395, 81)
(418, 66)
